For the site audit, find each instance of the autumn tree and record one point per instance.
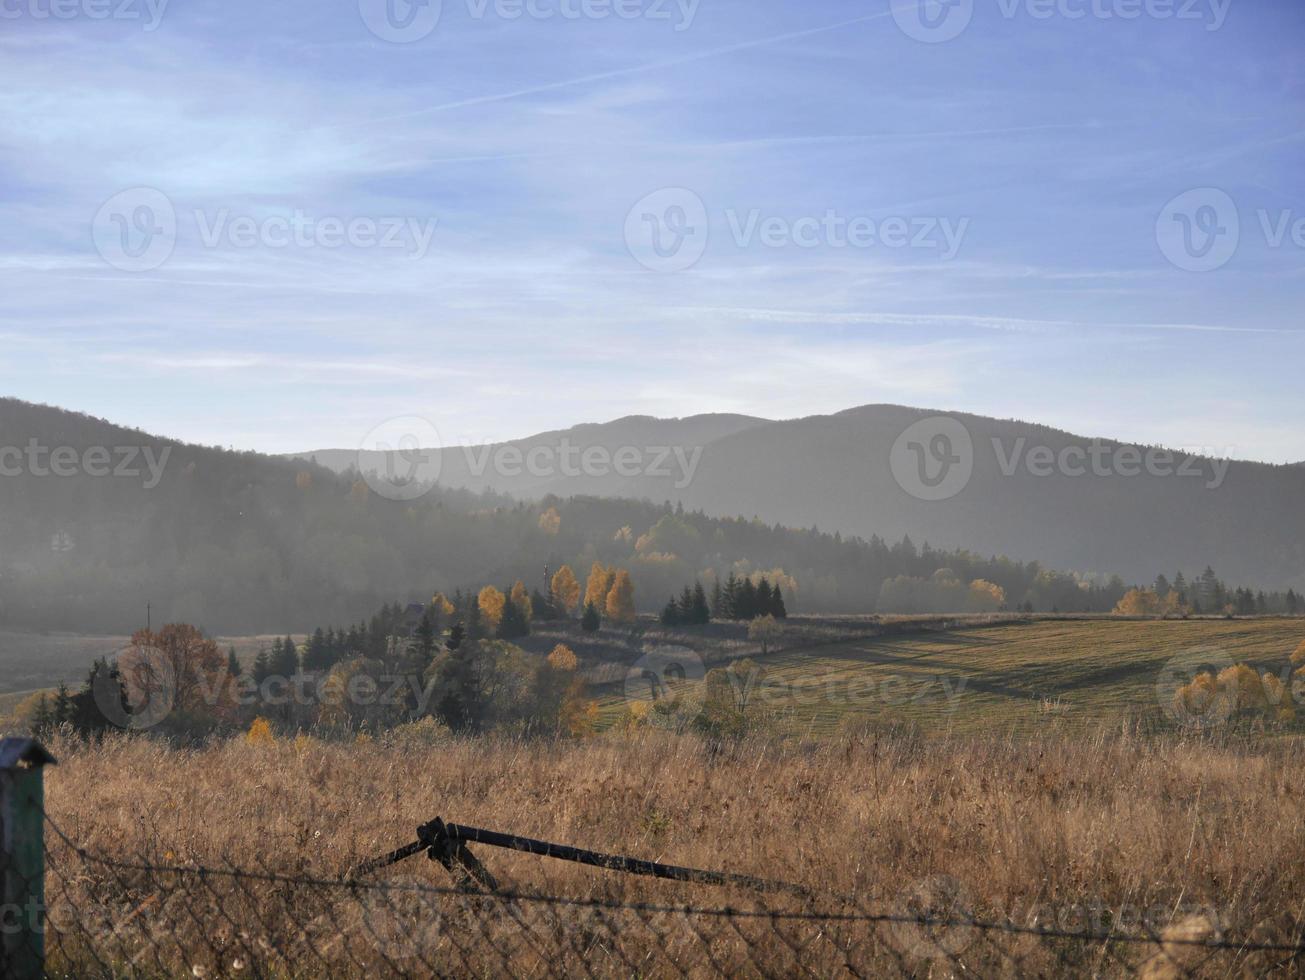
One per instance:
(620, 599)
(598, 585)
(566, 589)
(178, 666)
(491, 602)
(765, 630)
(550, 521)
(520, 597)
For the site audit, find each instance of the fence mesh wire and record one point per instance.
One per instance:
(122, 918)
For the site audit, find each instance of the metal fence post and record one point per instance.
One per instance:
(22, 858)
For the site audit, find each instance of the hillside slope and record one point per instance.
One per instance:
(834, 471)
(240, 542)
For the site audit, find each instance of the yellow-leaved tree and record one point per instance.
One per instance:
(520, 598)
(620, 599)
(550, 521)
(566, 588)
(440, 603)
(491, 602)
(599, 584)
(765, 630)
(1147, 602)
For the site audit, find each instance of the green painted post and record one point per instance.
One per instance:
(22, 859)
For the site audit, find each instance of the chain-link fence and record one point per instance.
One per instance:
(119, 918)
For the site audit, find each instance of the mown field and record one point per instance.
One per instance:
(1011, 676)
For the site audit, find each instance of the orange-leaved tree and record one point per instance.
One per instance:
(566, 588)
(491, 602)
(178, 667)
(620, 598)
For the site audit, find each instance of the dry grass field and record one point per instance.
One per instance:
(1105, 832)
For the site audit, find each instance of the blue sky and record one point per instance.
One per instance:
(514, 162)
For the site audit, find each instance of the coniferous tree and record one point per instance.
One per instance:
(63, 705)
(263, 665)
(541, 607)
(43, 717)
(717, 600)
(457, 636)
(285, 659)
(730, 601)
(513, 624)
(745, 600)
(777, 607)
(699, 611)
(233, 663)
(686, 605)
(423, 637)
(591, 620)
(671, 613)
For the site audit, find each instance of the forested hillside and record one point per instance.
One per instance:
(1199, 506)
(239, 542)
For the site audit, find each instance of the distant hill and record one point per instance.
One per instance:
(240, 542)
(833, 471)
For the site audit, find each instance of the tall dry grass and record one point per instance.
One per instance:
(1053, 831)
